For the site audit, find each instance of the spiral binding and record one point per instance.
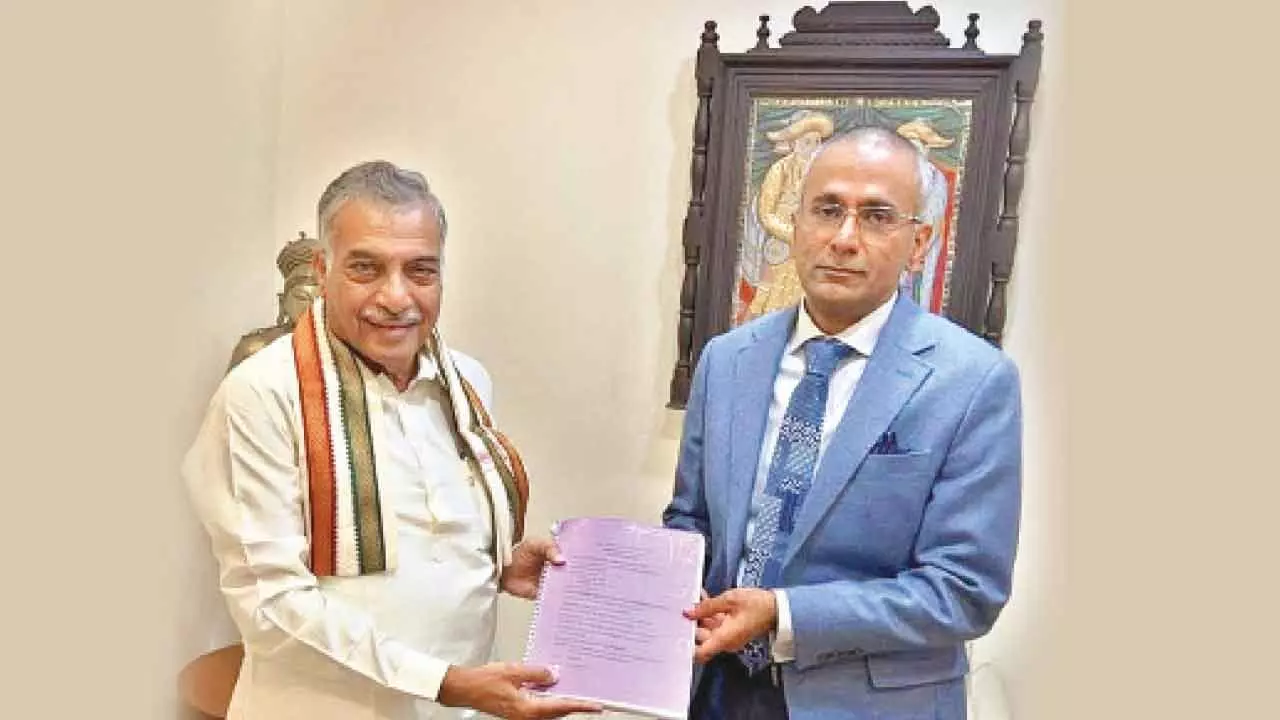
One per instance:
(532, 636)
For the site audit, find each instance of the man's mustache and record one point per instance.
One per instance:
(411, 317)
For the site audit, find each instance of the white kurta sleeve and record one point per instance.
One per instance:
(246, 486)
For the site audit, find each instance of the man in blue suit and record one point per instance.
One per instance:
(855, 464)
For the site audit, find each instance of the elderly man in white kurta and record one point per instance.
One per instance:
(363, 510)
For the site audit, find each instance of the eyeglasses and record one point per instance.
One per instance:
(873, 220)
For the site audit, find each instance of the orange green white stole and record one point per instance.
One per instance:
(347, 522)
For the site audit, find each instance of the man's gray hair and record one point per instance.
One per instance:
(927, 175)
(381, 183)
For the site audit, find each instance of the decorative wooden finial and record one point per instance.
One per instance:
(1033, 36)
(709, 34)
(971, 33)
(762, 43)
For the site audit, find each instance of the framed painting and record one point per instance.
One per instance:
(762, 114)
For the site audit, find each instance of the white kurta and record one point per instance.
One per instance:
(345, 648)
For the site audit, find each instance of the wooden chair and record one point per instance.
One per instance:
(206, 683)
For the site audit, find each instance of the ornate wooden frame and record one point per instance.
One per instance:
(866, 49)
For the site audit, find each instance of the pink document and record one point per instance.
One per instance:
(610, 619)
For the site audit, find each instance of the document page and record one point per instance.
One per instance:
(610, 619)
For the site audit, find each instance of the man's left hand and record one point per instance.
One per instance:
(522, 576)
(744, 614)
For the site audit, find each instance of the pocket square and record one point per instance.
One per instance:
(888, 445)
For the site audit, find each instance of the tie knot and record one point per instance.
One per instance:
(821, 355)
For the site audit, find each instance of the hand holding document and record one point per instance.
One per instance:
(610, 620)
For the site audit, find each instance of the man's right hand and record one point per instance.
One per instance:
(496, 689)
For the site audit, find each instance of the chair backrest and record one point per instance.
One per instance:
(206, 683)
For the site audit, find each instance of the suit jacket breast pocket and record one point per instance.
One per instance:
(916, 463)
(883, 506)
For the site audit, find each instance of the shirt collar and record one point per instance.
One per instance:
(427, 370)
(861, 336)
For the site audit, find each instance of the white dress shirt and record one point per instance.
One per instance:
(360, 648)
(860, 336)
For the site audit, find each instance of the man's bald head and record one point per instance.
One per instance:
(847, 269)
(875, 139)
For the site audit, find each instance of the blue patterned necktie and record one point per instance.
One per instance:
(795, 458)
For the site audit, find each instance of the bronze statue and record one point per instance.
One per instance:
(206, 683)
(301, 285)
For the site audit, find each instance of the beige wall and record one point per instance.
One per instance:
(137, 142)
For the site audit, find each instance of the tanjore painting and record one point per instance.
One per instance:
(785, 132)
(762, 114)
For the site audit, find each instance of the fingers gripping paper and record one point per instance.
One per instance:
(610, 621)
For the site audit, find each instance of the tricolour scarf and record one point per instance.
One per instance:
(346, 518)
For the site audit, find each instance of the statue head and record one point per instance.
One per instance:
(301, 283)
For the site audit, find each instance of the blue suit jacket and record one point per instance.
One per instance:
(896, 560)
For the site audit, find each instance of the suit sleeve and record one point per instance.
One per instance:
(246, 486)
(961, 573)
(688, 507)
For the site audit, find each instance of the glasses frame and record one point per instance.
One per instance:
(901, 219)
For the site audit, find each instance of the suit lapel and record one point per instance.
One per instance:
(753, 377)
(892, 375)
